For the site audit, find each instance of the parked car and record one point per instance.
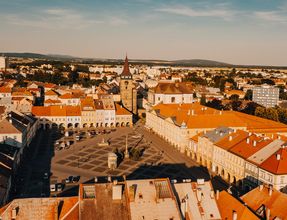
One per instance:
(59, 187)
(69, 179)
(76, 179)
(52, 187)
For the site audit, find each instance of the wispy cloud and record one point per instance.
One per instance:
(59, 18)
(220, 11)
(272, 16)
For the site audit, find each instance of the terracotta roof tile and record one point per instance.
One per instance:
(276, 202)
(121, 110)
(227, 204)
(276, 163)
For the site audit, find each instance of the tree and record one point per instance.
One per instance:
(260, 112)
(250, 108)
(234, 97)
(236, 105)
(272, 114)
(215, 103)
(74, 76)
(248, 95)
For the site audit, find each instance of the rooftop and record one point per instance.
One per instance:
(276, 202)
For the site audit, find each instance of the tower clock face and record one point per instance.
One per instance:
(126, 83)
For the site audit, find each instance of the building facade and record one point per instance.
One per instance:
(266, 95)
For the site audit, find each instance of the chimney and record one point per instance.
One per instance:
(234, 215)
(10, 120)
(217, 194)
(270, 190)
(267, 214)
(254, 143)
(279, 137)
(278, 156)
(249, 134)
(188, 113)
(247, 140)
(230, 138)
(192, 112)
(261, 187)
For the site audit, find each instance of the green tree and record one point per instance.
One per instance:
(271, 113)
(248, 95)
(234, 97)
(260, 112)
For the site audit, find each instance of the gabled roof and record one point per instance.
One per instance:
(245, 148)
(276, 202)
(4, 89)
(276, 163)
(7, 128)
(120, 110)
(174, 88)
(227, 204)
(51, 92)
(56, 110)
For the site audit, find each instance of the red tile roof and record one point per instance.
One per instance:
(276, 163)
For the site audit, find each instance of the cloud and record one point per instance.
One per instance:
(218, 12)
(272, 16)
(59, 18)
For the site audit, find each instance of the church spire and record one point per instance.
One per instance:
(126, 69)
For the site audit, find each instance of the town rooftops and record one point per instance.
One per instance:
(267, 198)
(120, 110)
(51, 93)
(249, 145)
(174, 88)
(56, 110)
(276, 163)
(231, 139)
(194, 114)
(103, 201)
(269, 149)
(152, 199)
(199, 200)
(217, 134)
(230, 207)
(41, 209)
(4, 89)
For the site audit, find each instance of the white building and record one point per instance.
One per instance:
(3, 63)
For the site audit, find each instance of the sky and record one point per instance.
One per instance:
(232, 31)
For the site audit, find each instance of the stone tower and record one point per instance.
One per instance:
(128, 90)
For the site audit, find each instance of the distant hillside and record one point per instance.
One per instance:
(38, 56)
(201, 63)
(187, 62)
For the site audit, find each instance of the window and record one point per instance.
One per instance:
(172, 99)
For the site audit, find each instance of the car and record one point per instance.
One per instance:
(76, 179)
(59, 187)
(69, 179)
(52, 187)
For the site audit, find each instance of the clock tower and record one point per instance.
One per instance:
(127, 89)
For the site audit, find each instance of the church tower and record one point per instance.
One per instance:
(127, 89)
